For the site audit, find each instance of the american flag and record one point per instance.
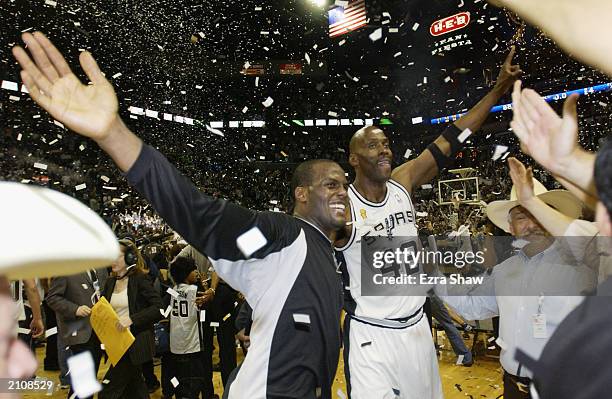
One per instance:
(345, 19)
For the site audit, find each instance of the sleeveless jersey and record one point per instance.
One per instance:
(184, 321)
(393, 217)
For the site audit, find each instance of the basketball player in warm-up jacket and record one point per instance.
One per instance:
(290, 279)
(388, 348)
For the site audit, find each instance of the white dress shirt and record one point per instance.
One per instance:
(521, 287)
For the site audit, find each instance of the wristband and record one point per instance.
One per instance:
(456, 137)
(441, 160)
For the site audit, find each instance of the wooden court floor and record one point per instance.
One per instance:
(482, 380)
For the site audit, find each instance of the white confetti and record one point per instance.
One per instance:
(81, 147)
(341, 42)
(393, 30)
(447, 79)
(464, 135)
(40, 166)
(19, 137)
(172, 292)
(415, 26)
(268, 102)
(376, 35)
(8, 85)
(58, 123)
(251, 241)
(417, 120)
(14, 98)
(407, 153)
(50, 332)
(118, 74)
(307, 58)
(256, 81)
(80, 187)
(332, 114)
(397, 54)
(83, 375)
(215, 131)
(499, 151)
(175, 382)
(301, 318)
(105, 179)
(53, 4)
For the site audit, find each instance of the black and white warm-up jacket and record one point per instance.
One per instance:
(291, 283)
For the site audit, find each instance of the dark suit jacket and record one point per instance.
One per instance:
(144, 303)
(65, 295)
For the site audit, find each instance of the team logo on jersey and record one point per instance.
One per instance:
(363, 214)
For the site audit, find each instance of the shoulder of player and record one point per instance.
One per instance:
(400, 185)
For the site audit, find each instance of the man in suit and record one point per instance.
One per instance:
(72, 297)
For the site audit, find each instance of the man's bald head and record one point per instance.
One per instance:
(360, 135)
(370, 154)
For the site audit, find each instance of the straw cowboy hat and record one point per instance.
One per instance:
(46, 233)
(562, 200)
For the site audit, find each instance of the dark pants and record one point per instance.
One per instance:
(51, 362)
(512, 390)
(167, 372)
(208, 389)
(125, 381)
(221, 306)
(441, 314)
(27, 338)
(226, 337)
(93, 346)
(230, 380)
(190, 373)
(148, 373)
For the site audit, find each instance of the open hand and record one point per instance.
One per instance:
(89, 110)
(550, 140)
(522, 178)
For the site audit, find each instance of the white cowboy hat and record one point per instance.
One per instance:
(562, 200)
(46, 233)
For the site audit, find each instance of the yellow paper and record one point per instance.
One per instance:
(104, 320)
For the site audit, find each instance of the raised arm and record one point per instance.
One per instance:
(552, 220)
(577, 26)
(210, 225)
(439, 154)
(89, 110)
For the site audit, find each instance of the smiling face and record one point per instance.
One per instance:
(322, 197)
(371, 154)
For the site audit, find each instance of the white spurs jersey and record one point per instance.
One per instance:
(185, 321)
(394, 217)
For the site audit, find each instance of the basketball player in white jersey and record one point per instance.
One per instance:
(388, 348)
